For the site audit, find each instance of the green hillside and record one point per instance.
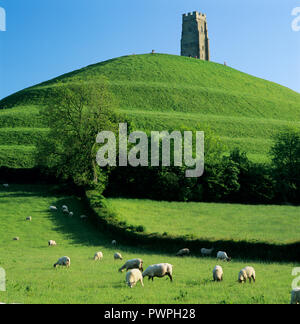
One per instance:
(160, 92)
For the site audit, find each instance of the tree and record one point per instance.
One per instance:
(75, 115)
(286, 162)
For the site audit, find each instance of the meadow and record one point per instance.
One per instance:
(32, 279)
(164, 92)
(212, 221)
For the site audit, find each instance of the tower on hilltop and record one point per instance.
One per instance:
(195, 41)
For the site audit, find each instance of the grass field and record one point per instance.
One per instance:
(167, 92)
(31, 277)
(270, 224)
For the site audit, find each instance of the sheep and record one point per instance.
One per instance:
(71, 214)
(295, 296)
(114, 242)
(218, 273)
(53, 208)
(159, 270)
(64, 207)
(207, 252)
(5, 185)
(183, 252)
(98, 256)
(118, 256)
(64, 261)
(132, 264)
(247, 273)
(29, 219)
(16, 239)
(223, 256)
(52, 243)
(133, 277)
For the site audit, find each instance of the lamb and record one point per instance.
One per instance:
(247, 273)
(98, 256)
(159, 270)
(295, 296)
(118, 256)
(53, 208)
(132, 264)
(114, 242)
(52, 243)
(183, 252)
(133, 277)
(207, 252)
(29, 219)
(218, 273)
(64, 261)
(223, 256)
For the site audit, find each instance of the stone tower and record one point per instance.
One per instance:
(195, 41)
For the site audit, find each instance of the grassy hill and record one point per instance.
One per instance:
(160, 92)
(31, 278)
(211, 221)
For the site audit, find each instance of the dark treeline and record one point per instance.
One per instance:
(232, 178)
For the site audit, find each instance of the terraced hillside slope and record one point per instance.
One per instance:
(164, 92)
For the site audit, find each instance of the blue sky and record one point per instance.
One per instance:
(46, 38)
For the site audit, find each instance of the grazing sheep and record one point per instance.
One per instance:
(159, 270)
(98, 256)
(295, 296)
(52, 243)
(71, 214)
(64, 261)
(53, 208)
(247, 273)
(132, 264)
(207, 252)
(223, 256)
(16, 239)
(5, 185)
(133, 277)
(114, 242)
(118, 256)
(183, 252)
(218, 273)
(29, 219)
(64, 207)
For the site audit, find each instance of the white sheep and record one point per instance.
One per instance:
(118, 256)
(52, 243)
(98, 256)
(5, 185)
(159, 270)
(132, 264)
(247, 273)
(29, 219)
(218, 273)
(133, 277)
(207, 252)
(53, 208)
(71, 214)
(114, 242)
(223, 256)
(64, 261)
(183, 252)
(295, 296)
(64, 207)
(16, 239)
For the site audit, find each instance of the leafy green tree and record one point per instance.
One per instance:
(286, 162)
(75, 115)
